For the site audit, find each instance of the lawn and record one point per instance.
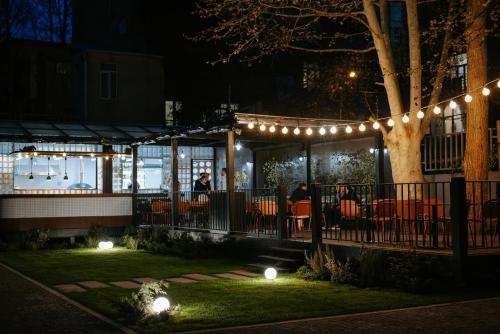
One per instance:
(212, 303)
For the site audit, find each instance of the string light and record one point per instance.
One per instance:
(376, 125)
(262, 127)
(333, 130)
(468, 98)
(309, 131)
(362, 127)
(406, 119)
(251, 125)
(437, 110)
(272, 129)
(352, 74)
(486, 91)
(296, 131)
(498, 83)
(390, 122)
(322, 131)
(284, 130)
(420, 114)
(453, 104)
(348, 129)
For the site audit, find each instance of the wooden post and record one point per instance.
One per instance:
(254, 168)
(316, 219)
(134, 185)
(107, 171)
(230, 179)
(458, 212)
(380, 166)
(282, 213)
(175, 182)
(308, 163)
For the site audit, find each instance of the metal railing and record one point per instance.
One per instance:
(408, 215)
(446, 152)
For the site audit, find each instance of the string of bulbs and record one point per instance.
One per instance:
(376, 124)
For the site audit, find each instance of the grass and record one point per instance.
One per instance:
(212, 303)
(71, 265)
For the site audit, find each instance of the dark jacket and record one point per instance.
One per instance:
(198, 186)
(299, 194)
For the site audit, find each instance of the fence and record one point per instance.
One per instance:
(434, 215)
(255, 211)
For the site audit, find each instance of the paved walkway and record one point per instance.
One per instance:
(28, 308)
(478, 316)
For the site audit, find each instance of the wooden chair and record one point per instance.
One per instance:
(301, 210)
(409, 211)
(429, 205)
(267, 210)
(384, 211)
(349, 210)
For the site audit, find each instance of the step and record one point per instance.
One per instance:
(277, 258)
(265, 266)
(289, 250)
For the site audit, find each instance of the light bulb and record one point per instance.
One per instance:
(348, 129)
(376, 125)
(322, 131)
(362, 127)
(390, 122)
(372, 150)
(296, 131)
(352, 74)
(333, 130)
(498, 84)
(468, 98)
(284, 130)
(406, 119)
(251, 125)
(262, 127)
(437, 110)
(237, 146)
(272, 129)
(309, 131)
(486, 91)
(453, 104)
(420, 114)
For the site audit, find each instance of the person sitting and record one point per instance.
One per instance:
(346, 192)
(300, 194)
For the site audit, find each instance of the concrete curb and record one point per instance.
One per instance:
(72, 302)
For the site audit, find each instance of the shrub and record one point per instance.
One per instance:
(94, 235)
(342, 272)
(130, 241)
(138, 307)
(374, 268)
(306, 273)
(317, 263)
(34, 239)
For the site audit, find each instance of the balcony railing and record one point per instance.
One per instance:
(445, 153)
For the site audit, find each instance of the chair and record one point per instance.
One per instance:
(349, 210)
(300, 210)
(159, 209)
(429, 205)
(409, 211)
(384, 210)
(267, 210)
(490, 215)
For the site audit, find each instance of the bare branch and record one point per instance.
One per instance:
(294, 47)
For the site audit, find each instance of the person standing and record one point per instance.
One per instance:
(223, 179)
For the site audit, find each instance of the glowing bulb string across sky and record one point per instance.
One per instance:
(331, 126)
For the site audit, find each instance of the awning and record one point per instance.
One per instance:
(21, 131)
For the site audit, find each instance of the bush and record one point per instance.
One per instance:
(138, 307)
(343, 272)
(374, 268)
(94, 236)
(306, 273)
(317, 263)
(34, 239)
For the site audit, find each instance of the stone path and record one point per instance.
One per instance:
(136, 282)
(26, 307)
(471, 317)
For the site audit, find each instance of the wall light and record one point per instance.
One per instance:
(237, 146)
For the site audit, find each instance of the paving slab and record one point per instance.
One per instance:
(182, 280)
(145, 280)
(231, 276)
(200, 277)
(245, 273)
(93, 284)
(67, 288)
(126, 284)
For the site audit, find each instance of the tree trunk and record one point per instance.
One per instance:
(477, 150)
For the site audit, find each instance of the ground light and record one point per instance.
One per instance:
(270, 273)
(105, 245)
(161, 304)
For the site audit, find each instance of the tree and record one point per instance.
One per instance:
(254, 29)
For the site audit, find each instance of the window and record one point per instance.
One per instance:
(108, 81)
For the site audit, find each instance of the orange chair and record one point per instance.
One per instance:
(266, 210)
(349, 210)
(409, 211)
(384, 210)
(300, 210)
(428, 206)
